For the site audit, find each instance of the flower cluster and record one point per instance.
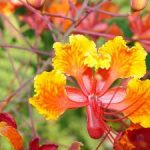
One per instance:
(95, 72)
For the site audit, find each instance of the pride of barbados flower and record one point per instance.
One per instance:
(95, 71)
(134, 138)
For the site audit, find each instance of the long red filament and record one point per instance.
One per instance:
(102, 140)
(115, 120)
(112, 97)
(120, 111)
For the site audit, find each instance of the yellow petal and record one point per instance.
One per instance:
(69, 57)
(50, 96)
(138, 94)
(126, 62)
(98, 60)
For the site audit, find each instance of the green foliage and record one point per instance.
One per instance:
(5, 144)
(148, 61)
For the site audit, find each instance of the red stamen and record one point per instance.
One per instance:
(120, 111)
(115, 92)
(107, 129)
(115, 120)
(102, 140)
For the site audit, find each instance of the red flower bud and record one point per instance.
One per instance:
(137, 5)
(34, 145)
(36, 3)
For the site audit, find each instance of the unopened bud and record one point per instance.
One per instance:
(36, 3)
(138, 5)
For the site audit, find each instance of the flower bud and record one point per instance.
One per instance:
(36, 3)
(138, 5)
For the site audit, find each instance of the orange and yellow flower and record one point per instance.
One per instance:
(95, 71)
(133, 138)
(60, 7)
(9, 6)
(50, 91)
(96, 21)
(140, 26)
(6, 7)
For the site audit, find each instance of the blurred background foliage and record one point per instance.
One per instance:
(18, 66)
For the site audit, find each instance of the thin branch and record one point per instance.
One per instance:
(107, 12)
(9, 98)
(32, 50)
(23, 37)
(105, 35)
(32, 122)
(71, 28)
(57, 16)
(44, 18)
(13, 67)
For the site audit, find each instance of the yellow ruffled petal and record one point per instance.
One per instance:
(98, 60)
(69, 57)
(49, 97)
(138, 98)
(126, 62)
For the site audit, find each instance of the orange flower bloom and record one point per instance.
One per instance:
(95, 71)
(96, 21)
(33, 21)
(110, 7)
(134, 138)
(141, 28)
(9, 6)
(60, 7)
(6, 7)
